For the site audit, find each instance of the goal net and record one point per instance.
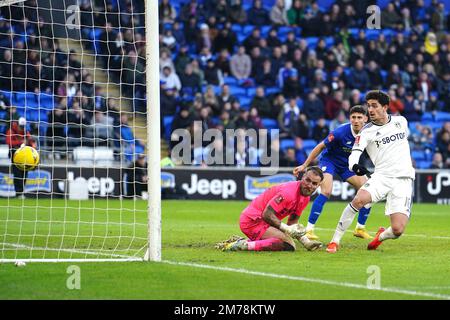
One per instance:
(72, 84)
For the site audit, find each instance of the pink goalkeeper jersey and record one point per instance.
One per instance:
(284, 198)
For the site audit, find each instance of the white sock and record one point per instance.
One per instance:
(309, 227)
(345, 221)
(360, 226)
(387, 234)
(304, 240)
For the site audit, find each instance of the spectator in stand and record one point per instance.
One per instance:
(321, 130)
(266, 75)
(167, 13)
(390, 18)
(78, 124)
(395, 105)
(56, 130)
(223, 62)
(137, 178)
(437, 162)
(295, 14)
(412, 111)
(252, 40)
(171, 79)
(190, 81)
(291, 86)
(226, 39)
(211, 101)
(213, 75)
(288, 119)
(257, 15)
(16, 136)
(289, 158)
(244, 121)
(257, 61)
(225, 96)
(103, 129)
(424, 85)
(278, 14)
(273, 39)
(340, 120)
(236, 13)
(255, 118)
(359, 79)
(190, 10)
(333, 105)
(241, 64)
(183, 58)
(225, 121)
(168, 99)
(443, 143)
(394, 76)
(262, 104)
(313, 107)
(443, 89)
(204, 38)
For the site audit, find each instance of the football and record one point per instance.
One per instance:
(26, 158)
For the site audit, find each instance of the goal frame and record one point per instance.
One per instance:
(153, 146)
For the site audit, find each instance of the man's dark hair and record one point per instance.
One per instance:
(317, 171)
(358, 109)
(380, 96)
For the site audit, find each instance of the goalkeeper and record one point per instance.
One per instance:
(262, 222)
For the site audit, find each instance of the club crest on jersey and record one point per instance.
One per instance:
(279, 199)
(378, 134)
(398, 125)
(330, 137)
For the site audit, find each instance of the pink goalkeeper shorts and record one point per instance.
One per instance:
(252, 224)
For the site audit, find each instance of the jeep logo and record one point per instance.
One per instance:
(225, 188)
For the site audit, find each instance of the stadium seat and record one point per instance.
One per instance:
(427, 116)
(442, 116)
(418, 155)
(244, 100)
(287, 143)
(251, 92)
(167, 127)
(269, 123)
(272, 90)
(236, 90)
(325, 4)
(382, 3)
(309, 144)
(232, 81)
(312, 42)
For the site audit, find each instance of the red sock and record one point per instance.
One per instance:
(271, 244)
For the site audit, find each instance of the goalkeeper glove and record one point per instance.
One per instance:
(294, 230)
(360, 170)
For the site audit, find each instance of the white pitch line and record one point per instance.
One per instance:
(22, 246)
(404, 235)
(313, 280)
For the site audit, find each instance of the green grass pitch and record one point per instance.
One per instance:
(416, 266)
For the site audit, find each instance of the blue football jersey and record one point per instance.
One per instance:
(339, 144)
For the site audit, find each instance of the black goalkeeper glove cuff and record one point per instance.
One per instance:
(360, 170)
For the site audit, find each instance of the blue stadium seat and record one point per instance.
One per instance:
(7, 94)
(442, 116)
(236, 90)
(230, 80)
(46, 101)
(325, 4)
(251, 92)
(309, 144)
(312, 41)
(382, 3)
(372, 34)
(427, 116)
(287, 143)
(167, 127)
(272, 90)
(423, 164)
(244, 100)
(269, 123)
(236, 28)
(418, 155)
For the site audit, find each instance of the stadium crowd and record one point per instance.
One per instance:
(293, 65)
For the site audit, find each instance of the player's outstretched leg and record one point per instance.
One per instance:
(398, 224)
(360, 230)
(344, 222)
(316, 211)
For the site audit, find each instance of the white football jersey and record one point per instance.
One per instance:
(387, 147)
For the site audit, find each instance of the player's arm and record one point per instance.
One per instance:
(293, 219)
(361, 142)
(312, 156)
(269, 216)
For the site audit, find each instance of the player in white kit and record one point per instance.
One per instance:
(385, 138)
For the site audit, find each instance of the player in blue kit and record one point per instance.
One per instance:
(335, 150)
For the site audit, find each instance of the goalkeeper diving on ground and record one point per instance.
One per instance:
(262, 222)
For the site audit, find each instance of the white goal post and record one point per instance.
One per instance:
(85, 76)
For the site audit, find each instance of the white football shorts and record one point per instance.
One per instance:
(398, 193)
